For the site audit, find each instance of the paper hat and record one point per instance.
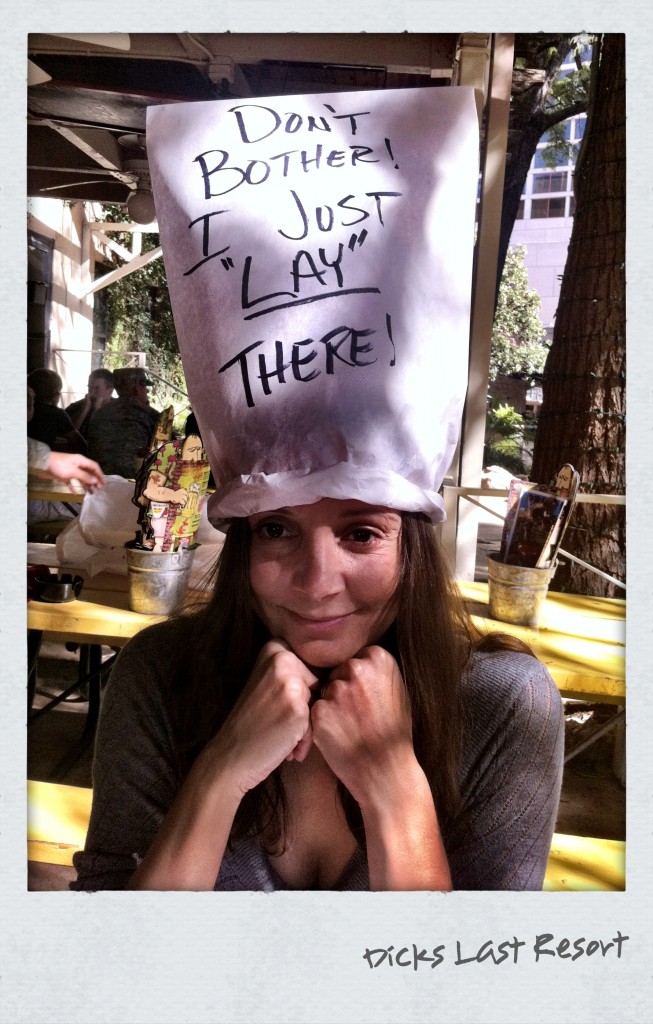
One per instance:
(318, 251)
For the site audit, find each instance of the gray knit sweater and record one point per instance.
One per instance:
(510, 784)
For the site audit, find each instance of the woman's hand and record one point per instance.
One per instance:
(363, 728)
(270, 722)
(363, 724)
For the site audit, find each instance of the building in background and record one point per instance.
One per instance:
(545, 215)
(543, 225)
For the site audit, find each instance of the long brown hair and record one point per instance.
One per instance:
(432, 639)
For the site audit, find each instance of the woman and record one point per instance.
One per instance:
(328, 721)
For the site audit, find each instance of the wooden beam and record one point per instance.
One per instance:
(483, 292)
(120, 272)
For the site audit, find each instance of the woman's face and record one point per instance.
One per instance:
(324, 576)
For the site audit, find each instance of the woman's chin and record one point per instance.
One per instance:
(321, 654)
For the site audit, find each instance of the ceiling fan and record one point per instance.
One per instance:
(135, 172)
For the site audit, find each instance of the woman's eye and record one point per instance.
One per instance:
(361, 535)
(271, 531)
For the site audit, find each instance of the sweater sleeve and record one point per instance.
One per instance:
(38, 456)
(512, 772)
(134, 776)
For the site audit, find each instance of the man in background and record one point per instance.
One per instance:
(48, 423)
(120, 434)
(99, 394)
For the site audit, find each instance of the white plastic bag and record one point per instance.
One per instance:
(95, 540)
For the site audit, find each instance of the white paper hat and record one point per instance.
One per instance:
(318, 251)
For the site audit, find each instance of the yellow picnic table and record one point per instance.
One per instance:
(55, 490)
(57, 821)
(580, 639)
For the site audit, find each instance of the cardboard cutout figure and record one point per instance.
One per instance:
(170, 490)
(163, 430)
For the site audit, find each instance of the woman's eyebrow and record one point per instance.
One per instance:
(271, 512)
(382, 513)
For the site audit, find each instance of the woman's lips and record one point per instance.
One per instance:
(318, 625)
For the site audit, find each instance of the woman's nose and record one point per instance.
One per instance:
(318, 572)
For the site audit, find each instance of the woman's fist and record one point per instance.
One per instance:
(270, 722)
(363, 724)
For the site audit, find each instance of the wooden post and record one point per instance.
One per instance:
(487, 248)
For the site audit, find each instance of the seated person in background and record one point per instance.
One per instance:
(65, 466)
(191, 426)
(49, 423)
(45, 464)
(100, 391)
(120, 434)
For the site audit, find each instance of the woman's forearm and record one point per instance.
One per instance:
(267, 724)
(404, 846)
(188, 849)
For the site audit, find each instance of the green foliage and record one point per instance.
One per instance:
(505, 434)
(139, 319)
(517, 332)
(568, 90)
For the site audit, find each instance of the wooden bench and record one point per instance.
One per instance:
(57, 821)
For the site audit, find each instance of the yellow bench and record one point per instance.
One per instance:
(57, 820)
(581, 863)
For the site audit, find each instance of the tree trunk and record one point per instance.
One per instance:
(530, 118)
(583, 413)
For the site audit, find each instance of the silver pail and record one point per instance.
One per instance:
(158, 580)
(517, 593)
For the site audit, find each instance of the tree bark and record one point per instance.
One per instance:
(582, 420)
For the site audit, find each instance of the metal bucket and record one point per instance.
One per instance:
(158, 580)
(517, 593)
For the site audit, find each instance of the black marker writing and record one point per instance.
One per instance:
(312, 271)
(388, 327)
(389, 149)
(256, 122)
(312, 298)
(205, 221)
(303, 268)
(253, 118)
(325, 216)
(352, 117)
(218, 171)
(341, 345)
